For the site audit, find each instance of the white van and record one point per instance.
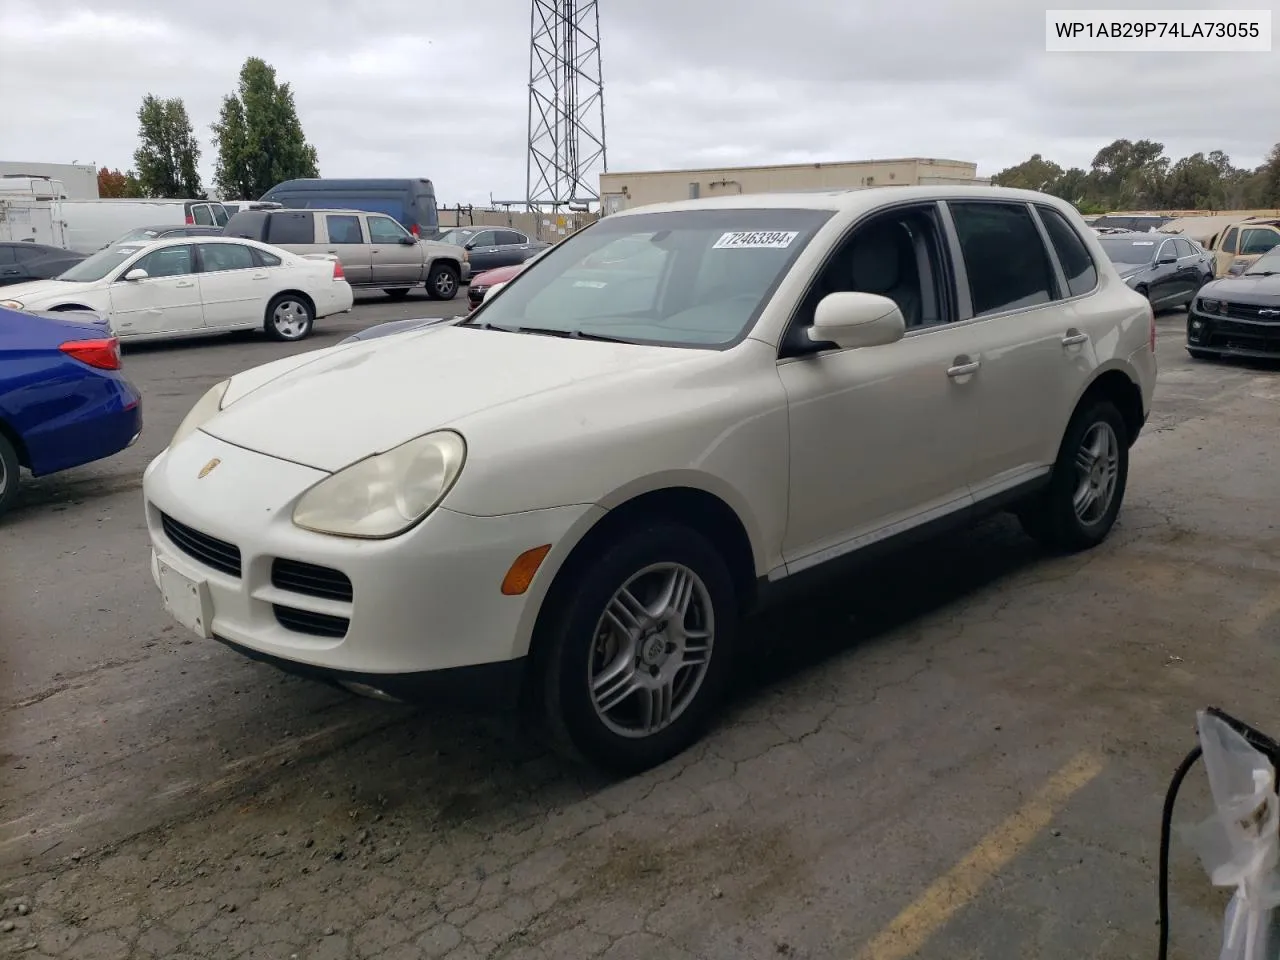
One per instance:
(89, 225)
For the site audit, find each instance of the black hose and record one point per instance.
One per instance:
(1166, 828)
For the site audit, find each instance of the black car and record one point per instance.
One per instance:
(164, 232)
(1238, 316)
(1166, 270)
(1139, 222)
(21, 261)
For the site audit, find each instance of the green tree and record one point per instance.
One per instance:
(1130, 174)
(167, 156)
(1193, 183)
(259, 137)
(1036, 173)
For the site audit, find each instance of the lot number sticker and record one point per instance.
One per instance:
(756, 240)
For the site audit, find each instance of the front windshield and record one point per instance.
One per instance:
(695, 278)
(100, 264)
(458, 237)
(142, 233)
(1124, 250)
(1265, 265)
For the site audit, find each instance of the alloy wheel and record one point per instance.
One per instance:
(1097, 470)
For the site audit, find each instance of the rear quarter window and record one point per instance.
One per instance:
(290, 226)
(1077, 264)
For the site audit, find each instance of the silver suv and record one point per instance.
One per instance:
(375, 250)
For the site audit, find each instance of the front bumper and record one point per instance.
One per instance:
(352, 610)
(1231, 336)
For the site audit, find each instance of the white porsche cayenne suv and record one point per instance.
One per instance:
(577, 492)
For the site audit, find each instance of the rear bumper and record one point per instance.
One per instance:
(101, 428)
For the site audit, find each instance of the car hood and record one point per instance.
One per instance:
(332, 407)
(36, 290)
(496, 275)
(1244, 289)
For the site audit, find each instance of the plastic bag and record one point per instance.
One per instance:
(1239, 845)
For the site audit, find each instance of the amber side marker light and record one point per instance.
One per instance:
(523, 569)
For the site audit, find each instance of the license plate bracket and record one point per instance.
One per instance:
(188, 601)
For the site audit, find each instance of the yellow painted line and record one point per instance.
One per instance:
(914, 926)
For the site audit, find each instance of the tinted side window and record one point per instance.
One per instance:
(1184, 248)
(264, 259)
(1073, 255)
(343, 229)
(485, 238)
(385, 230)
(249, 224)
(169, 262)
(291, 227)
(509, 238)
(202, 215)
(1229, 241)
(7, 255)
(220, 215)
(1004, 256)
(1254, 242)
(225, 256)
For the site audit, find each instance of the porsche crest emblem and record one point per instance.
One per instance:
(207, 468)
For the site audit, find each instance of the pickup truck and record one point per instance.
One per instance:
(376, 252)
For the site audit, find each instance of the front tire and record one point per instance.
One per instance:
(1079, 507)
(10, 473)
(442, 282)
(641, 645)
(289, 318)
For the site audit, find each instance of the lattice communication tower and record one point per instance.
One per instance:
(566, 106)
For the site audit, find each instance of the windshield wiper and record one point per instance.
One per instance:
(1261, 273)
(567, 334)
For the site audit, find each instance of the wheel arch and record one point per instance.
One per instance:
(694, 506)
(1114, 383)
(456, 265)
(67, 307)
(11, 434)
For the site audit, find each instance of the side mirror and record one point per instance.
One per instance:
(137, 273)
(1167, 260)
(408, 241)
(857, 320)
(469, 245)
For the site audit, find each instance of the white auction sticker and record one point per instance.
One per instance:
(756, 240)
(1144, 243)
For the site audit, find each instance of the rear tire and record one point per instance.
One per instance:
(1079, 507)
(442, 282)
(10, 474)
(397, 293)
(629, 699)
(289, 318)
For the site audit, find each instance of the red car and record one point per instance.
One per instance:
(482, 282)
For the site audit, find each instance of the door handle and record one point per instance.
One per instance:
(1072, 339)
(185, 283)
(962, 366)
(259, 276)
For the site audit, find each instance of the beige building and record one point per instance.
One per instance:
(618, 191)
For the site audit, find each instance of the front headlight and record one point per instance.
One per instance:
(204, 410)
(1210, 306)
(386, 494)
(11, 304)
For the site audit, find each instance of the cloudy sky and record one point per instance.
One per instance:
(438, 89)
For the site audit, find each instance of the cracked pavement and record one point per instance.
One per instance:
(161, 797)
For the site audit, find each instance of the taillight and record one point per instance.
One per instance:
(337, 271)
(415, 230)
(190, 219)
(103, 354)
(1153, 330)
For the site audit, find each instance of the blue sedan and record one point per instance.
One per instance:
(63, 400)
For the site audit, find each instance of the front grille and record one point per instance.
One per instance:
(315, 624)
(1244, 336)
(310, 579)
(201, 547)
(476, 294)
(1252, 311)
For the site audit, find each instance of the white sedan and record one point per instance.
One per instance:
(180, 287)
(580, 489)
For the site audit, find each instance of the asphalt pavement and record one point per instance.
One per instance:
(961, 754)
